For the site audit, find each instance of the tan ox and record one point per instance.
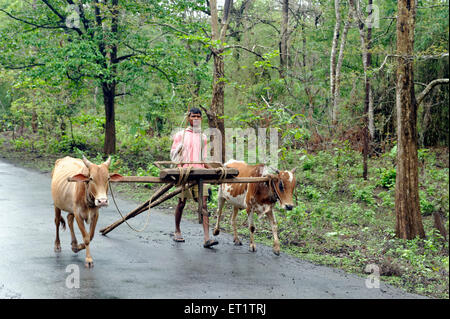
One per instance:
(256, 198)
(81, 199)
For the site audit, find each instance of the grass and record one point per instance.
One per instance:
(340, 220)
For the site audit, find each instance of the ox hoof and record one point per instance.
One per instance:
(74, 246)
(276, 252)
(237, 242)
(57, 248)
(216, 231)
(252, 248)
(89, 263)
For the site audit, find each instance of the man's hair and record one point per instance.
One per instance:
(195, 110)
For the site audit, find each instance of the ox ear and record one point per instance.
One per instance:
(80, 178)
(108, 161)
(293, 170)
(115, 177)
(86, 162)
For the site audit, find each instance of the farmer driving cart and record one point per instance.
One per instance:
(189, 145)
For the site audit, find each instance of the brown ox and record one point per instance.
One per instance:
(81, 199)
(256, 198)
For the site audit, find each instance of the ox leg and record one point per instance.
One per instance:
(276, 241)
(74, 242)
(220, 204)
(236, 240)
(251, 227)
(93, 224)
(89, 263)
(57, 222)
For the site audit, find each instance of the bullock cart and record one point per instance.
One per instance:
(181, 179)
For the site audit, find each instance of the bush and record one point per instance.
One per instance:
(364, 194)
(387, 178)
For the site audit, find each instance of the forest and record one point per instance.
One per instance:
(357, 91)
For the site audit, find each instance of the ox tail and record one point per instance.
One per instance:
(63, 223)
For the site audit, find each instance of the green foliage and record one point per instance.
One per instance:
(151, 170)
(364, 194)
(91, 121)
(308, 161)
(387, 178)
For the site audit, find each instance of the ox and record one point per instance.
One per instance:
(256, 198)
(81, 199)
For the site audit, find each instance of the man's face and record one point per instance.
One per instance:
(195, 120)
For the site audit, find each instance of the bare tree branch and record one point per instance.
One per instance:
(43, 26)
(419, 57)
(124, 57)
(428, 89)
(29, 66)
(61, 17)
(238, 46)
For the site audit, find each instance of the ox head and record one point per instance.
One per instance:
(283, 183)
(97, 181)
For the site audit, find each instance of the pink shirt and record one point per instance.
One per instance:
(192, 151)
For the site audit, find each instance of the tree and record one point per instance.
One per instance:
(284, 55)
(218, 35)
(407, 206)
(366, 44)
(336, 66)
(99, 40)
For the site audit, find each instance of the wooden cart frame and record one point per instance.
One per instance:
(182, 179)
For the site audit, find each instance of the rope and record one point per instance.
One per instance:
(184, 175)
(276, 192)
(123, 218)
(223, 173)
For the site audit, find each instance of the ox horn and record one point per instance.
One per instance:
(293, 170)
(108, 161)
(86, 162)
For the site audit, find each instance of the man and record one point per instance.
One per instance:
(189, 145)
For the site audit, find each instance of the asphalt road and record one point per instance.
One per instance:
(147, 264)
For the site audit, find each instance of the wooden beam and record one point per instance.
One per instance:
(200, 201)
(156, 180)
(149, 204)
(204, 173)
(238, 180)
(212, 164)
(149, 179)
(141, 179)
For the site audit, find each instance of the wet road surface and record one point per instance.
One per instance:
(147, 264)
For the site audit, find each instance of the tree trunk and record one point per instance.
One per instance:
(334, 45)
(215, 116)
(34, 121)
(367, 101)
(368, 126)
(337, 81)
(218, 99)
(368, 96)
(109, 92)
(284, 39)
(407, 207)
